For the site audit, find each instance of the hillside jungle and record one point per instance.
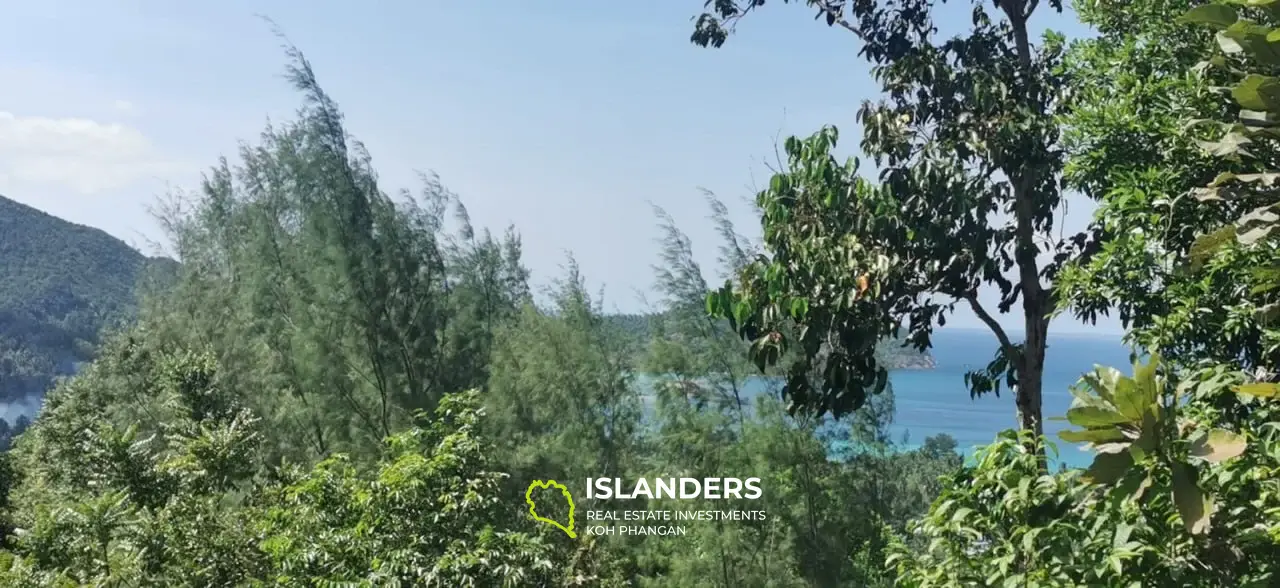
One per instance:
(346, 385)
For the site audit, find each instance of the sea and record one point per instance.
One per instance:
(929, 402)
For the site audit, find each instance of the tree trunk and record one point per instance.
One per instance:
(1029, 397)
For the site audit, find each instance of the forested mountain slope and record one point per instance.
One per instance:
(60, 284)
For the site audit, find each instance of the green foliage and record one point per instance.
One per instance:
(1246, 37)
(561, 393)
(184, 508)
(966, 131)
(335, 309)
(1134, 425)
(1139, 516)
(429, 514)
(1167, 266)
(572, 397)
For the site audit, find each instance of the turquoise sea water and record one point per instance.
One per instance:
(930, 402)
(935, 401)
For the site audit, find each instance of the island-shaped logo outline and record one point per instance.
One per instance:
(528, 498)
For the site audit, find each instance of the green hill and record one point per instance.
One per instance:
(60, 284)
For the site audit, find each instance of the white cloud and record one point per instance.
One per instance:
(83, 155)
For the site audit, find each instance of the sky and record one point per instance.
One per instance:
(569, 119)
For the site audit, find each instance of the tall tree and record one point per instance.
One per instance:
(967, 149)
(338, 310)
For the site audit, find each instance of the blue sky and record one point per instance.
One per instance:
(566, 118)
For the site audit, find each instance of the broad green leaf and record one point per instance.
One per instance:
(1194, 506)
(1107, 468)
(1258, 92)
(1266, 179)
(1102, 380)
(1259, 118)
(1131, 398)
(1218, 16)
(1106, 435)
(1222, 178)
(1218, 445)
(1253, 38)
(1231, 143)
(1093, 416)
(1259, 389)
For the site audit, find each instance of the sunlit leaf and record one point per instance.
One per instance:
(1258, 92)
(1093, 416)
(1104, 435)
(1259, 389)
(1215, 15)
(1218, 445)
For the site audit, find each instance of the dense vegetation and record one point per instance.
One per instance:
(344, 387)
(62, 284)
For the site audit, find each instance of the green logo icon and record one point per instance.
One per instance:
(528, 498)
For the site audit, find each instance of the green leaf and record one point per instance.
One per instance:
(1228, 45)
(1259, 389)
(780, 183)
(1222, 178)
(1103, 435)
(1134, 486)
(1093, 416)
(1206, 245)
(799, 308)
(1194, 506)
(1107, 468)
(1218, 445)
(1217, 16)
(1103, 382)
(1131, 398)
(1258, 92)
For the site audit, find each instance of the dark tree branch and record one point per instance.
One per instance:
(828, 9)
(995, 327)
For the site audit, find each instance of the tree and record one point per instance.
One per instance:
(1181, 490)
(969, 158)
(1135, 87)
(336, 309)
